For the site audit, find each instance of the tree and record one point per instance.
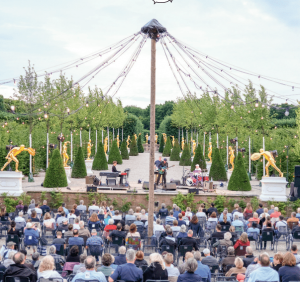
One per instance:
(114, 153)
(100, 162)
(239, 180)
(140, 145)
(133, 147)
(79, 169)
(175, 154)
(124, 151)
(161, 144)
(56, 174)
(168, 148)
(198, 159)
(2, 108)
(185, 159)
(217, 170)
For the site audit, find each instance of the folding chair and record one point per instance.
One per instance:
(16, 279)
(224, 278)
(80, 247)
(157, 235)
(284, 234)
(254, 237)
(210, 227)
(240, 251)
(169, 249)
(94, 226)
(149, 243)
(225, 228)
(214, 269)
(201, 242)
(95, 250)
(157, 280)
(221, 252)
(82, 280)
(71, 220)
(295, 237)
(116, 242)
(239, 230)
(202, 220)
(13, 238)
(93, 211)
(267, 236)
(182, 251)
(51, 280)
(129, 222)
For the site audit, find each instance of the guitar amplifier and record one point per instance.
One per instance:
(146, 185)
(91, 188)
(177, 182)
(170, 186)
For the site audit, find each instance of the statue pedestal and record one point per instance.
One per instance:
(229, 173)
(88, 165)
(208, 166)
(11, 183)
(68, 173)
(273, 189)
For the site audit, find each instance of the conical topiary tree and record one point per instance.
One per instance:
(124, 151)
(185, 159)
(79, 169)
(161, 144)
(56, 174)
(100, 162)
(175, 154)
(133, 147)
(198, 159)
(217, 170)
(239, 180)
(114, 153)
(140, 145)
(168, 148)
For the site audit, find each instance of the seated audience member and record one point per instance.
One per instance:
(294, 251)
(195, 226)
(249, 257)
(180, 220)
(224, 242)
(127, 271)
(117, 233)
(264, 272)
(169, 240)
(156, 270)
(181, 268)
(264, 214)
(10, 249)
(276, 213)
(27, 263)
(82, 231)
(76, 224)
(20, 218)
(133, 237)
(90, 273)
(170, 217)
(117, 215)
(236, 208)
(110, 226)
(144, 216)
(191, 266)
(93, 207)
(34, 217)
(253, 219)
(76, 211)
(213, 217)
(12, 230)
(80, 267)
(73, 255)
(289, 271)
(44, 207)
(20, 205)
(240, 213)
(61, 218)
(229, 260)
(200, 212)
(208, 259)
(69, 233)
(239, 267)
(47, 269)
(189, 241)
(76, 240)
(158, 226)
(237, 222)
(182, 232)
(248, 210)
(32, 204)
(281, 222)
(138, 221)
(19, 269)
(81, 206)
(31, 235)
(64, 226)
(277, 261)
(260, 209)
(271, 210)
(59, 240)
(137, 211)
(94, 240)
(107, 217)
(35, 260)
(175, 226)
(94, 219)
(106, 268)
(139, 259)
(172, 270)
(57, 258)
(267, 220)
(253, 229)
(121, 258)
(71, 214)
(48, 221)
(176, 212)
(242, 241)
(188, 212)
(224, 221)
(225, 213)
(293, 218)
(63, 205)
(202, 269)
(130, 215)
(8, 261)
(212, 209)
(233, 233)
(218, 234)
(267, 229)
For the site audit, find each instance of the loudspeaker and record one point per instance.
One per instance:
(146, 185)
(170, 186)
(111, 181)
(297, 176)
(177, 182)
(96, 181)
(89, 179)
(91, 189)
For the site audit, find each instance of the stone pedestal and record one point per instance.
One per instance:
(273, 189)
(11, 183)
(88, 165)
(229, 173)
(208, 166)
(68, 173)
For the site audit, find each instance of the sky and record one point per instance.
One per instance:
(260, 36)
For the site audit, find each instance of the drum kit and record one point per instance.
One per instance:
(194, 178)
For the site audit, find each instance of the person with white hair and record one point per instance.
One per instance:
(9, 260)
(20, 218)
(202, 269)
(45, 208)
(191, 266)
(94, 241)
(31, 235)
(121, 258)
(32, 204)
(82, 231)
(110, 226)
(144, 216)
(158, 226)
(239, 268)
(182, 232)
(224, 242)
(156, 270)
(127, 271)
(208, 260)
(81, 206)
(130, 215)
(57, 258)
(237, 221)
(276, 213)
(47, 269)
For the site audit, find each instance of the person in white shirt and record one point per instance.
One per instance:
(144, 216)
(188, 212)
(200, 213)
(117, 215)
(265, 213)
(94, 207)
(81, 207)
(72, 214)
(39, 211)
(20, 217)
(76, 224)
(157, 226)
(175, 226)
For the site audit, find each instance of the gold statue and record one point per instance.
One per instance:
(105, 144)
(165, 138)
(232, 157)
(147, 136)
(269, 157)
(194, 147)
(209, 152)
(182, 144)
(156, 137)
(128, 141)
(11, 156)
(118, 141)
(89, 149)
(173, 141)
(65, 154)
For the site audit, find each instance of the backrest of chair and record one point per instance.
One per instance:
(20, 225)
(248, 215)
(51, 280)
(252, 236)
(175, 233)
(222, 250)
(213, 268)
(93, 211)
(211, 224)
(229, 266)
(296, 235)
(95, 250)
(225, 228)
(282, 229)
(267, 235)
(129, 221)
(148, 280)
(71, 220)
(240, 250)
(168, 248)
(184, 249)
(117, 240)
(224, 278)
(239, 229)
(94, 225)
(82, 280)
(16, 279)
(12, 238)
(157, 234)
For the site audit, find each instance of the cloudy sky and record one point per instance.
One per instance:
(258, 35)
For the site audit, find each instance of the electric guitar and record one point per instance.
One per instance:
(162, 170)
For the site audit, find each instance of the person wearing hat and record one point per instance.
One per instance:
(64, 226)
(10, 248)
(162, 171)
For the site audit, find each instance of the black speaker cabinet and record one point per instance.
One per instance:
(170, 186)
(111, 181)
(146, 185)
(91, 189)
(177, 182)
(96, 181)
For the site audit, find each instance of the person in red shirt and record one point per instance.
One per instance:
(110, 226)
(242, 241)
(254, 219)
(276, 213)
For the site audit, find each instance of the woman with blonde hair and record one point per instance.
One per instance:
(200, 212)
(239, 268)
(242, 241)
(144, 216)
(48, 221)
(137, 211)
(46, 269)
(156, 269)
(253, 219)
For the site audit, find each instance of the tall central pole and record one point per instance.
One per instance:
(152, 139)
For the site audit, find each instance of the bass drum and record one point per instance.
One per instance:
(189, 181)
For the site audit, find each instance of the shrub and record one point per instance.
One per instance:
(161, 144)
(114, 153)
(133, 147)
(55, 174)
(198, 159)
(168, 148)
(124, 151)
(175, 154)
(217, 170)
(185, 159)
(140, 144)
(79, 169)
(239, 180)
(100, 162)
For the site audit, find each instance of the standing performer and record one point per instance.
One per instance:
(156, 165)
(162, 171)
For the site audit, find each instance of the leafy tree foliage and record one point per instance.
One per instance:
(140, 145)
(185, 159)
(55, 174)
(161, 144)
(175, 154)
(217, 170)
(132, 125)
(168, 148)
(124, 151)
(198, 159)
(79, 168)
(133, 147)
(2, 108)
(166, 126)
(100, 162)
(114, 153)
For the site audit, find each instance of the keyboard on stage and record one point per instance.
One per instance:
(109, 174)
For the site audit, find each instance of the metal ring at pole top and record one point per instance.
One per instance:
(155, 1)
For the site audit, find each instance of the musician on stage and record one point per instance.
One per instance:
(197, 169)
(162, 168)
(114, 169)
(156, 165)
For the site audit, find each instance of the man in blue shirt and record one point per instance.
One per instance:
(44, 207)
(94, 241)
(202, 270)
(170, 217)
(253, 228)
(31, 235)
(90, 273)
(76, 240)
(65, 209)
(225, 212)
(260, 210)
(121, 258)
(163, 212)
(128, 271)
(237, 222)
